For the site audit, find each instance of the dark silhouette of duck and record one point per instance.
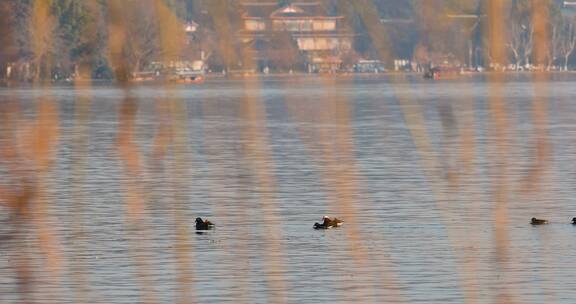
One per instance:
(574, 221)
(203, 224)
(536, 221)
(328, 223)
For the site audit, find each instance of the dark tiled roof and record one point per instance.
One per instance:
(258, 10)
(272, 9)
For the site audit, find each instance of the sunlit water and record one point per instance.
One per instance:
(265, 160)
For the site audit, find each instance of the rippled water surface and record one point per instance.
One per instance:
(436, 183)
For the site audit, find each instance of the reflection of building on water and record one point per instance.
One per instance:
(297, 35)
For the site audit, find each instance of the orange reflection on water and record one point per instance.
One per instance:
(135, 190)
(171, 44)
(331, 145)
(501, 130)
(257, 155)
(532, 182)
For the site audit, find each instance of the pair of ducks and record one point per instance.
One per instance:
(203, 224)
(327, 223)
(536, 221)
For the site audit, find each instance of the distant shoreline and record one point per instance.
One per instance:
(220, 76)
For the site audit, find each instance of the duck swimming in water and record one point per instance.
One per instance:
(574, 221)
(203, 224)
(536, 221)
(328, 223)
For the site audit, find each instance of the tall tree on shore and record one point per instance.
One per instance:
(7, 41)
(133, 35)
(520, 32)
(567, 39)
(41, 28)
(283, 51)
(365, 19)
(223, 21)
(520, 42)
(142, 43)
(441, 28)
(531, 31)
(81, 31)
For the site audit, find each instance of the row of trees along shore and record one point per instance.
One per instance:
(59, 39)
(561, 31)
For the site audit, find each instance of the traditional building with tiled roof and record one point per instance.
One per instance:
(318, 36)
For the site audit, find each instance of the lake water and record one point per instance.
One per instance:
(436, 183)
